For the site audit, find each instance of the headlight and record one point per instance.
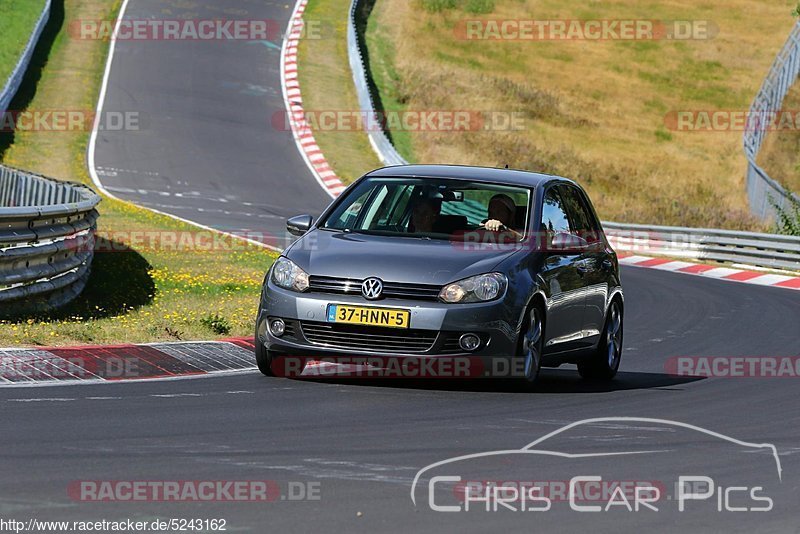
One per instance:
(481, 288)
(287, 275)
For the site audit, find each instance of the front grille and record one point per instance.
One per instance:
(450, 345)
(373, 339)
(352, 286)
(289, 330)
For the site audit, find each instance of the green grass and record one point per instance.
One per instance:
(327, 84)
(394, 98)
(137, 295)
(17, 20)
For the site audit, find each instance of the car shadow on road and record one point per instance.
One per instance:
(551, 381)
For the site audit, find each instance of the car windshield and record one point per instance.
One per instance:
(433, 209)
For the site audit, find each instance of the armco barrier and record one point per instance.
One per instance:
(763, 191)
(769, 251)
(380, 143)
(11, 86)
(47, 233)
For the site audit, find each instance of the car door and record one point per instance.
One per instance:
(594, 264)
(565, 286)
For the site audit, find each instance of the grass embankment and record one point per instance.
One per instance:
(17, 20)
(147, 294)
(595, 111)
(780, 153)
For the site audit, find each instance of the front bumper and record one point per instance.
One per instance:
(440, 323)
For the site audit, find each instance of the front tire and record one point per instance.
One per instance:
(264, 357)
(603, 364)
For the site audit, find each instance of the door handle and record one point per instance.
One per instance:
(581, 267)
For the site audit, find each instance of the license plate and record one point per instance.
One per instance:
(338, 313)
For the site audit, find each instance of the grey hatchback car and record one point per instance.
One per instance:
(503, 268)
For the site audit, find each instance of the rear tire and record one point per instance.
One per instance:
(531, 346)
(603, 364)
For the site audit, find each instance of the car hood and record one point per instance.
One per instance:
(394, 259)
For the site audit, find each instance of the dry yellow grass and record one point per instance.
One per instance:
(593, 110)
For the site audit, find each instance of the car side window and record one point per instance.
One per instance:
(554, 216)
(582, 220)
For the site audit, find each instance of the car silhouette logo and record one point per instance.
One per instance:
(535, 447)
(372, 288)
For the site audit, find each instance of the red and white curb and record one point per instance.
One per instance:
(709, 271)
(293, 100)
(116, 363)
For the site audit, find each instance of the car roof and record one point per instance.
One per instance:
(466, 172)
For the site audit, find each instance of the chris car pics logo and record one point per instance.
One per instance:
(689, 488)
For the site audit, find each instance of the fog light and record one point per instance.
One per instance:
(277, 327)
(469, 342)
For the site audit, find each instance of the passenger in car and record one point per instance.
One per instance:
(424, 215)
(502, 212)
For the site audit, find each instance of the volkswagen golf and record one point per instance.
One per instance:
(438, 262)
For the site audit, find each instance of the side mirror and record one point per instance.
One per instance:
(563, 241)
(299, 224)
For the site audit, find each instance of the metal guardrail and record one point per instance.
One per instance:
(762, 190)
(47, 228)
(769, 251)
(14, 81)
(47, 235)
(377, 137)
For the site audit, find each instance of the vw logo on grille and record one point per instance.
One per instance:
(372, 288)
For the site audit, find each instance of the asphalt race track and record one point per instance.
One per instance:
(363, 442)
(358, 445)
(205, 148)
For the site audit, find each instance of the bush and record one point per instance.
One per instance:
(475, 7)
(788, 218)
(435, 6)
(479, 7)
(218, 325)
